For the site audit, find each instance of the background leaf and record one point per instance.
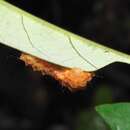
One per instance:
(37, 37)
(116, 115)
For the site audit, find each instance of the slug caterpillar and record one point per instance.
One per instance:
(73, 79)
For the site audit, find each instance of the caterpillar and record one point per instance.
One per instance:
(72, 78)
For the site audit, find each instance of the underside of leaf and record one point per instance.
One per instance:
(29, 34)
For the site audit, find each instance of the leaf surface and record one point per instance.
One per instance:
(116, 115)
(27, 33)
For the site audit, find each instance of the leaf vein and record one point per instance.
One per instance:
(74, 48)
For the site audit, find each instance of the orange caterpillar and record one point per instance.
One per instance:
(73, 79)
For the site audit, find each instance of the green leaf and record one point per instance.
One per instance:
(39, 38)
(116, 115)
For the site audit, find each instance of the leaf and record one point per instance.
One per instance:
(116, 115)
(27, 33)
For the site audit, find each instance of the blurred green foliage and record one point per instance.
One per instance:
(103, 94)
(116, 115)
(90, 120)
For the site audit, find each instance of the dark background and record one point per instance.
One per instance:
(30, 101)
